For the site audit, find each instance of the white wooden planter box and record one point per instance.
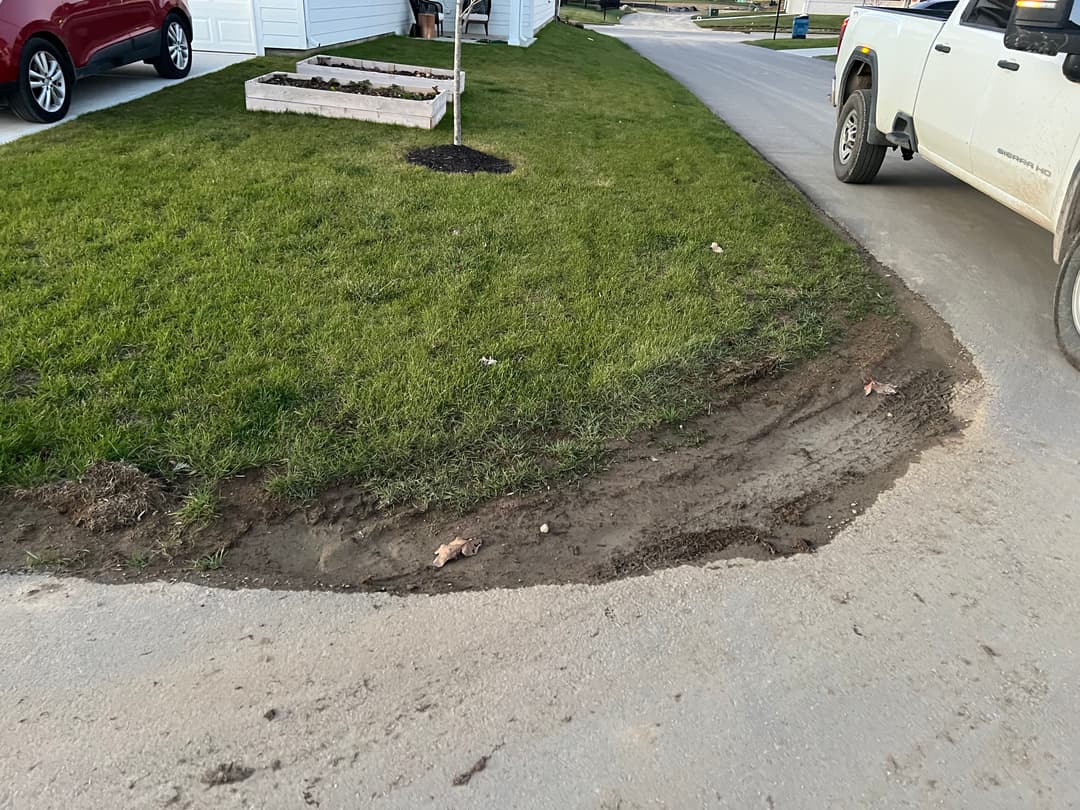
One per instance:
(334, 104)
(329, 67)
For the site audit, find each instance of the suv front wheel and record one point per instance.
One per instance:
(174, 60)
(1067, 305)
(43, 91)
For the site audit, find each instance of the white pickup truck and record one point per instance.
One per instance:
(989, 92)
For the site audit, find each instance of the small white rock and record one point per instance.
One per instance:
(545, 529)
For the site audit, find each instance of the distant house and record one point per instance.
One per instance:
(821, 6)
(813, 7)
(253, 26)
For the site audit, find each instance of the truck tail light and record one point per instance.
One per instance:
(843, 28)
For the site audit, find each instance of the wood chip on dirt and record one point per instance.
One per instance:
(458, 547)
(872, 386)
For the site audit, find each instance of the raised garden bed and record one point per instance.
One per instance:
(384, 102)
(412, 76)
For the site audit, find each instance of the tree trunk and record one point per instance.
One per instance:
(457, 72)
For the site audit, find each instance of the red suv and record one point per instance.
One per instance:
(45, 45)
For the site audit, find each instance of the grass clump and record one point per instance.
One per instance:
(46, 559)
(198, 507)
(819, 23)
(209, 562)
(794, 44)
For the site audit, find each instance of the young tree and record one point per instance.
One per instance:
(462, 10)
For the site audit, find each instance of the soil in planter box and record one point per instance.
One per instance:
(419, 74)
(364, 88)
(458, 160)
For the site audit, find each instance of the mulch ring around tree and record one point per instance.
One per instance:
(458, 160)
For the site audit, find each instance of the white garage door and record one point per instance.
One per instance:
(223, 25)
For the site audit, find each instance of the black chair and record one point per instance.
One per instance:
(481, 14)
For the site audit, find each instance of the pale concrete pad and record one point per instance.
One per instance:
(117, 87)
(810, 53)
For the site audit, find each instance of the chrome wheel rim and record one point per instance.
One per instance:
(48, 84)
(849, 137)
(177, 43)
(1076, 304)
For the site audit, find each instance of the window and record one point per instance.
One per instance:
(989, 14)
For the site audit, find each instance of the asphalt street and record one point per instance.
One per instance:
(928, 657)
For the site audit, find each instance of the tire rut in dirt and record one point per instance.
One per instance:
(780, 466)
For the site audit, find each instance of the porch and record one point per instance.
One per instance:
(515, 22)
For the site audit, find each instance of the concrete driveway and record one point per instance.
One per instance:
(117, 87)
(928, 657)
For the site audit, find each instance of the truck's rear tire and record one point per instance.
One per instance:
(1067, 305)
(855, 159)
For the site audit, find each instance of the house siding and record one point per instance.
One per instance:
(543, 13)
(822, 6)
(333, 21)
(499, 25)
(311, 24)
(280, 24)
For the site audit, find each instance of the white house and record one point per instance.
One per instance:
(839, 6)
(252, 26)
(822, 6)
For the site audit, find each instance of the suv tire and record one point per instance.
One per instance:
(174, 61)
(44, 88)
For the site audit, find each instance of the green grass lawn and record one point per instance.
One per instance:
(794, 44)
(591, 16)
(823, 23)
(184, 281)
(741, 13)
(745, 12)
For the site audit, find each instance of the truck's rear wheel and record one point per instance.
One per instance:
(1067, 305)
(855, 159)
